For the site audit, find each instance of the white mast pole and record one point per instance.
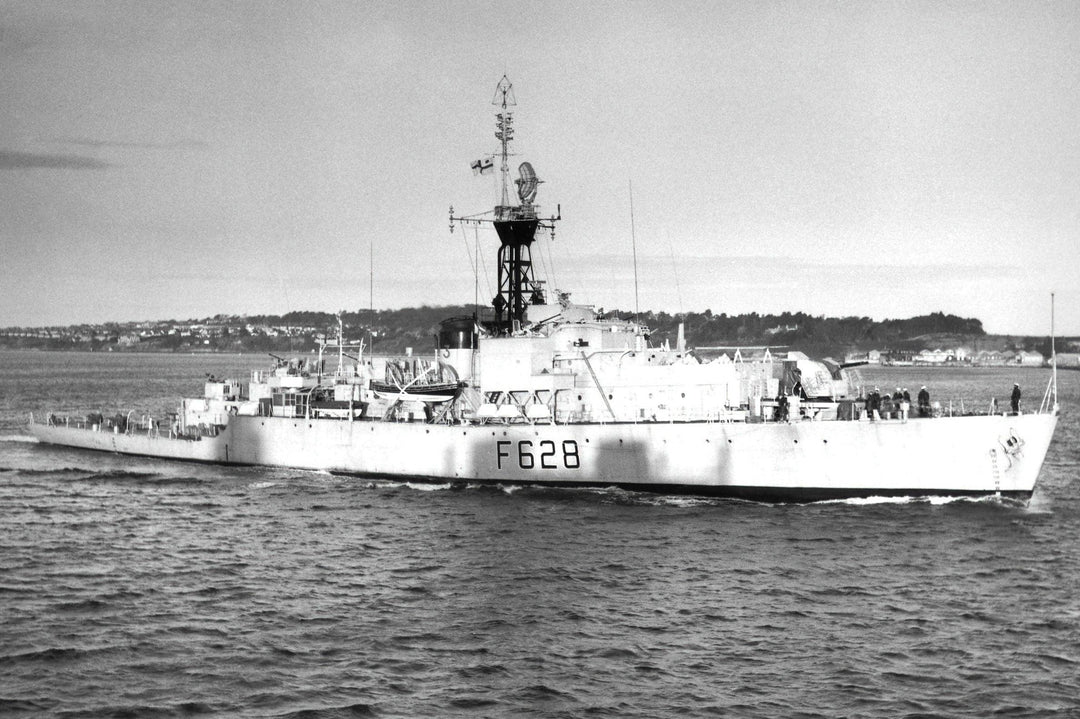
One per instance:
(1053, 352)
(633, 244)
(341, 345)
(371, 298)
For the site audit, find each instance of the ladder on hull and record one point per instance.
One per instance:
(995, 472)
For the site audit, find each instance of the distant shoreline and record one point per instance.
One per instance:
(257, 353)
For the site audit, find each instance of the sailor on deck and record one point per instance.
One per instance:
(781, 407)
(875, 404)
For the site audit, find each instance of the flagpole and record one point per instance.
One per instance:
(476, 274)
(371, 298)
(633, 244)
(1053, 351)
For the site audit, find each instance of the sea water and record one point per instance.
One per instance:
(135, 587)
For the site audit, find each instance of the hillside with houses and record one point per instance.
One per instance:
(935, 340)
(964, 356)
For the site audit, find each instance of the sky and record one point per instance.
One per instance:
(171, 160)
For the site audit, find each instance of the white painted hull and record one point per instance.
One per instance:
(802, 461)
(204, 449)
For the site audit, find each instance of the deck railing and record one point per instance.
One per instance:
(145, 425)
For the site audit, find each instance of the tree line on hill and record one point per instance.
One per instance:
(391, 331)
(815, 335)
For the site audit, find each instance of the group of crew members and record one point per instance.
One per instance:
(898, 403)
(878, 405)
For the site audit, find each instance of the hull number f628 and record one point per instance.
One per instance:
(545, 454)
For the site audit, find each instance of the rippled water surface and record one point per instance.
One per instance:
(132, 587)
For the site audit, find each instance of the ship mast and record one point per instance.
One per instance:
(516, 225)
(504, 98)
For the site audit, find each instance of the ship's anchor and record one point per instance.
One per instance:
(1012, 444)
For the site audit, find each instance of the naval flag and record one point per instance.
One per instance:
(483, 167)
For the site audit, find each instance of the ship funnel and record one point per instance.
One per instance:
(456, 345)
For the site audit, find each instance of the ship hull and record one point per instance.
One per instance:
(805, 461)
(204, 449)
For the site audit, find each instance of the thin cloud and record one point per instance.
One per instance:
(90, 142)
(13, 160)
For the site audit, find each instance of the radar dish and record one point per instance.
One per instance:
(527, 183)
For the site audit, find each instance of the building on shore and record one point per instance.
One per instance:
(1030, 359)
